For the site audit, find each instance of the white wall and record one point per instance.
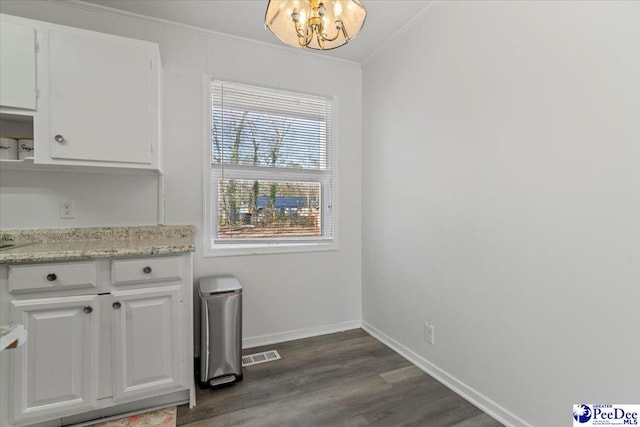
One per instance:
(501, 187)
(285, 295)
(31, 199)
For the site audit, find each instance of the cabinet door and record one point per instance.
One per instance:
(17, 66)
(101, 92)
(55, 370)
(148, 352)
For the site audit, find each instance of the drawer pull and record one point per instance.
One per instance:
(87, 309)
(59, 139)
(116, 305)
(146, 270)
(51, 277)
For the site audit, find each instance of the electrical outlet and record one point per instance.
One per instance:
(66, 209)
(428, 333)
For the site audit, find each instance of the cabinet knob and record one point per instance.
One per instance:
(87, 309)
(51, 277)
(116, 305)
(146, 270)
(59, 138)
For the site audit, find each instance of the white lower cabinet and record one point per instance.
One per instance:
(146, 341)
(57, 369)
(113, 344)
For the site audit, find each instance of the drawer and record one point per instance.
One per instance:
(50, 277)
(141, 270)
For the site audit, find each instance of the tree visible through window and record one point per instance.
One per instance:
(270, 165)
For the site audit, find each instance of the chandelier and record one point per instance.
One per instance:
(316, 24)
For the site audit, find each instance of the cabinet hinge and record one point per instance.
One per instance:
(37, 93)
(37, 46)
(150, 65)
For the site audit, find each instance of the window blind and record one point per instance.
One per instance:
(262, 127)
(271, 165)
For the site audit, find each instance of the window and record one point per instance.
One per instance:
(271, 175)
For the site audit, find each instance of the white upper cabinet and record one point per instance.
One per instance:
(91, 99)
(17, 66)
(100, 98)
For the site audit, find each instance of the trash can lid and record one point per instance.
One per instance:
(216, 284)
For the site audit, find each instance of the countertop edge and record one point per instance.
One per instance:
(31, 258)
(73, 244)
(116, 233)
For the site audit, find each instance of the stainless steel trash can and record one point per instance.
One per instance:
(221, 330)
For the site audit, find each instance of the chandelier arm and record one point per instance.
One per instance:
(327, 39)
(344, 31)
(304, 38)
(304, 42)
(302, 34)
(340, 29)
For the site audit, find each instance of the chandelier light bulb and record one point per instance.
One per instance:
(337, 9)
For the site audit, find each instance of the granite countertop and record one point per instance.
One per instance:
(69, 244)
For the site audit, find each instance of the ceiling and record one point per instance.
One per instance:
(245, 18)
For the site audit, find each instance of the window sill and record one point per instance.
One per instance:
(219, 250)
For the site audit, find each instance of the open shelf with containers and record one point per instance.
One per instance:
(18, 127)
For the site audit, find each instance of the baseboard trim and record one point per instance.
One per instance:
(299, 334)
(478, 399)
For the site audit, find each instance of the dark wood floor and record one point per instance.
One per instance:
(343, 379)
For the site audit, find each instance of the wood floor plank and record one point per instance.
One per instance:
(307, 407)
(343, 379)
(480, 420)
(402, 374)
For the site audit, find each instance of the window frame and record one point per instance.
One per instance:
(213, 247)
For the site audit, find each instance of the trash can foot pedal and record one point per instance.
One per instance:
(213, 382)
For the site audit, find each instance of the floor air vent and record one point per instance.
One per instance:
(254, 359)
